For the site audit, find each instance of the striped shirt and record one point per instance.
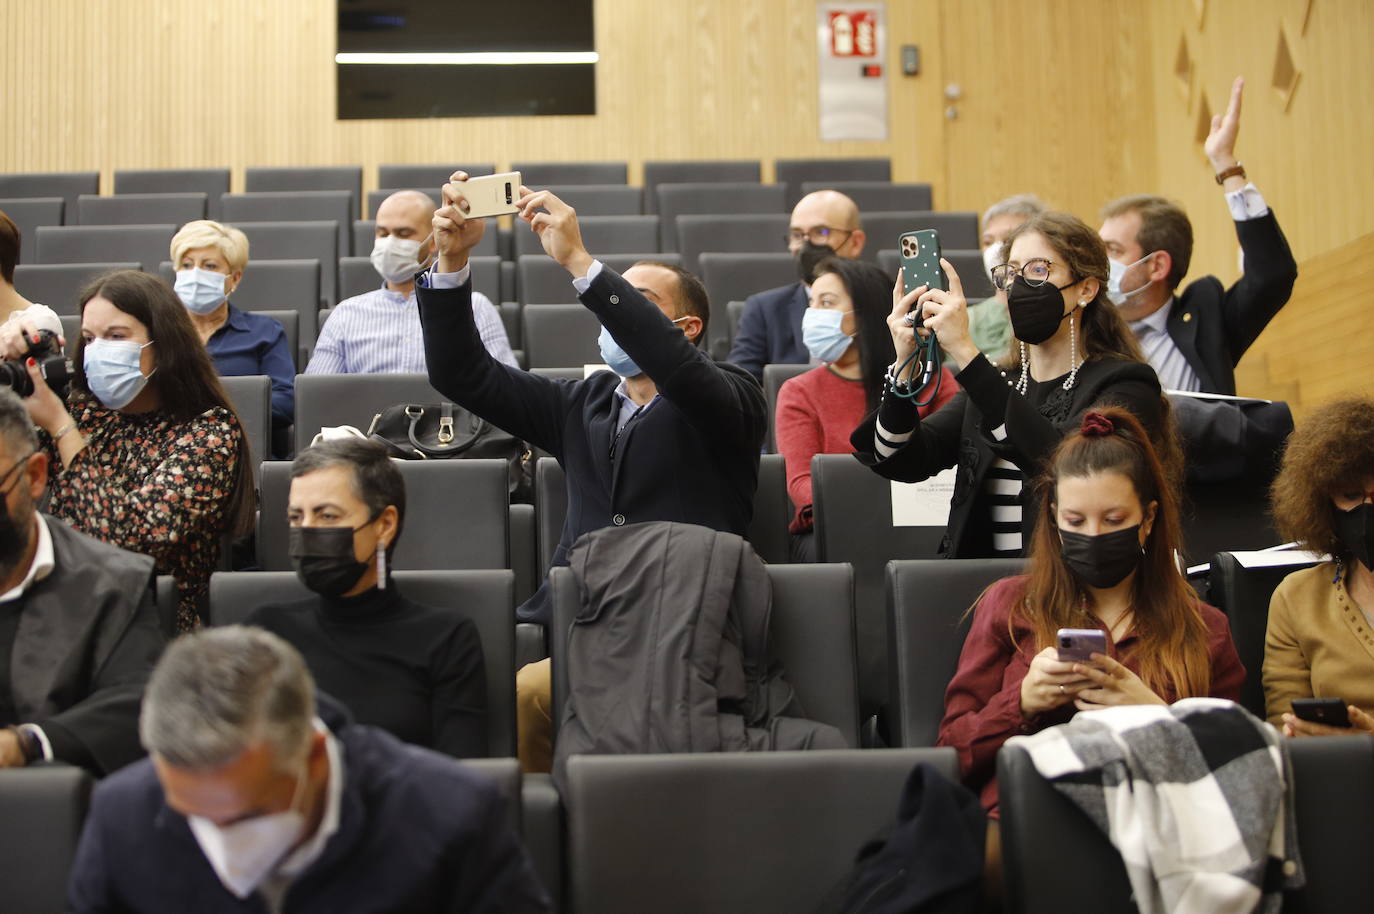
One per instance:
(379, 333)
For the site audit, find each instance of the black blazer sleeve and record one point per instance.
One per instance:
(1264, 288)
(726, 405)
(526, 405)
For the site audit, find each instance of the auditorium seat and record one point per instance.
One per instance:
(927, 605)
(598, 199)
(65, 184)
(735, 310)
(43, 808)
(365, 234)
(550, 509)
(145, 244)
(958, 230)
(318, 241)
(312, 177)
(601, 235)
(275, 285)
(294, 206)
(427, 176)
(1242, 590)
(1041, 829)
(140, 209)
(251, 397)
(715, 199)
(560, 336)
(290, 321)
(734, 277)
(853, 523)
(523, 551)
(543, 281)
(877, 196)
(774, 376)
(27, 214)
(209, 181)
(328, 400)
(812, 637)
(542, 174)
(375, 198)
(796, 172)
(757, 234)
(697, 171)
(729, 833)
(445, 496)
(772, 512)
(968, 264)
(487, 597)
(57, 285)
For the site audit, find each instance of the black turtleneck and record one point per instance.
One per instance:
(413, 670)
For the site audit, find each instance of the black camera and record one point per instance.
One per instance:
(53, 365)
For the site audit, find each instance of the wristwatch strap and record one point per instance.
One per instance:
(1237, 169)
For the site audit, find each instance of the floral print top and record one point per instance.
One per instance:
(152, 485)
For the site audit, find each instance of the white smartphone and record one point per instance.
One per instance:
(492, 195)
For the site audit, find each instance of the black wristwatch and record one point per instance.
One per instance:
(29, 747)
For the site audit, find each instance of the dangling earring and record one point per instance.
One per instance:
(381, 566)
(1073, 350)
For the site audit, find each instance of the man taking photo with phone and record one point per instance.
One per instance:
(666, 435)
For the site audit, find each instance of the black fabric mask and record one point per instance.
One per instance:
(1036, 311)
(1103, 560)
(324, 560)
(1355, 531)
(809, 257)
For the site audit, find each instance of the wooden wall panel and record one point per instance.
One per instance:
(113, 84)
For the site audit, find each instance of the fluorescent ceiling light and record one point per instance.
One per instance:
(485, 58)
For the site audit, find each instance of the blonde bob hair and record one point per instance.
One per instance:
(206, 233)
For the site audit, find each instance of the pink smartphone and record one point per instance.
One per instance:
(1077, 645)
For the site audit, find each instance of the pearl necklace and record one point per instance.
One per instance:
(1024, 379)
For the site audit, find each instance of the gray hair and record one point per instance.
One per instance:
(218, 692)
(16, 426)
(1024, 205)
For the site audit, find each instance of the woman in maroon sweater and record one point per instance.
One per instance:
(845, 329)
(1102, 557)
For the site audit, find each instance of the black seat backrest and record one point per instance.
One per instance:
(602, 235)
(927, 619)
(485, 597)
(542, 174)
(958, 230)
(251, 396)
(145, 244)
(734, 277)
(550, 508)
(755, 234)
(1243, 594)
(967, 264)
(27, 214)
(43, 809)
(314, 177)
(774, 376)
(337, 206)
(428, 176)
(796, 172)
(65, 184)
(317, 240)
(140, 209)
(878, 196)
(695, 172)
(58, 285)
(715, 198)
(560, 336)
(209, 181)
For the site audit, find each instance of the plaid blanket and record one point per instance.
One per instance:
(1194, 795)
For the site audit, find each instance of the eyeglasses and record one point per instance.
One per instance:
(818, 235)
(1036, 272)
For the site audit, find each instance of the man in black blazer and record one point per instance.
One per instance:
(1195, 339)
(673, 436)
(824, 224)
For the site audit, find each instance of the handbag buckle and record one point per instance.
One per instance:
(445, 429)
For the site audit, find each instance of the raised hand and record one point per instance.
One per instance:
(946, 313)
(1220, 145)
(555, 222)
(455, 235)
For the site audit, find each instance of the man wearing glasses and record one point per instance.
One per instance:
(78, 627)
(824, 224)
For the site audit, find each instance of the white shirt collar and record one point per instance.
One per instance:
(1157, 322)
(310, 851)
(40, 567)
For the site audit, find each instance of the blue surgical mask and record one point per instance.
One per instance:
(616, 358)
(113, 372)
(201, 291)
(822, 334)
(1115, 273)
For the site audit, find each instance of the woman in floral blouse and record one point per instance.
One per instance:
(148, 452)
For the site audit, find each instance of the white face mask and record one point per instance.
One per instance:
(1118, 270)
(992, 257)
(201, 291)
(396, 259)
(245, 853)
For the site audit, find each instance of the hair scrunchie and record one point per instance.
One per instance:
(1096, 425)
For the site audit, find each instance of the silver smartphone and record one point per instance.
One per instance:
(492, 195)
(1077, 645)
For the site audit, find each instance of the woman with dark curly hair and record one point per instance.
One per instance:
(1320, 642)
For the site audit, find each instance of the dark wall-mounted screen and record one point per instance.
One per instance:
(462, 58)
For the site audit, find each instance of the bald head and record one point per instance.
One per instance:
(827, 210)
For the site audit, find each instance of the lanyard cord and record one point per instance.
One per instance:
(927, 354)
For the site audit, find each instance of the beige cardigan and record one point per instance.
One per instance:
(1318, 645)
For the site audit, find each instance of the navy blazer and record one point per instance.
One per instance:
(770, 330)
(693, 457)
(1213, 326)
(417, 832)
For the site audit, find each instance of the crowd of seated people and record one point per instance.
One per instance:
(1052, 410)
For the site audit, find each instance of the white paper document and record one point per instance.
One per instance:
(923, 504)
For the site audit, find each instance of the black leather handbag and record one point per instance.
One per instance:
(443, 431)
